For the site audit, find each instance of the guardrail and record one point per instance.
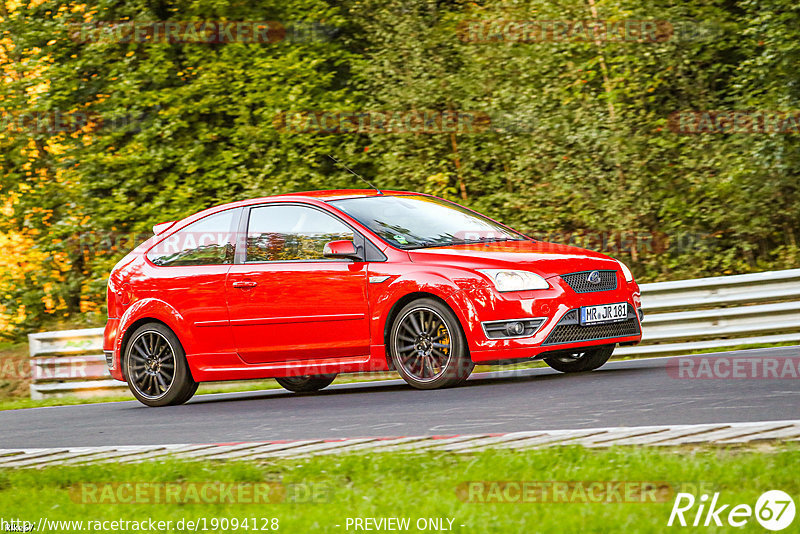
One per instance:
(70, 362)
(713, 313)
(681, 316)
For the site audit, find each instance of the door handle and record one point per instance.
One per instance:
(247, 284)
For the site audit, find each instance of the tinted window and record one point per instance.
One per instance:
(285, 233)
(208, 241)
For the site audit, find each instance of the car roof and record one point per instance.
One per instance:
(321, 196)
(339, 194)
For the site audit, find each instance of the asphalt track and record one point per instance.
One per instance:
(622, 393)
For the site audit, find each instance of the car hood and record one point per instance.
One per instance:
(545, 259)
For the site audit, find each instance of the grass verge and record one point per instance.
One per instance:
(323, 492)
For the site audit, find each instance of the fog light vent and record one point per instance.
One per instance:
(513, 328)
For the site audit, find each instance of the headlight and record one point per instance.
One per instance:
(506, 280)
(626, 271)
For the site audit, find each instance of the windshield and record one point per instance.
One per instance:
(416, 221)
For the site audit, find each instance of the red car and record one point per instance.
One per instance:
(304, 286)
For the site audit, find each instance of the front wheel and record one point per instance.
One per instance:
(428, 347)
(155, 367)
(577, 362)
(306, 383)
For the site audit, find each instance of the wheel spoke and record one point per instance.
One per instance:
(433, 326)
(406, 358)
(420, 366)
(142, 354)
(431, 365)
(414, 323)
(427, 320)
(441, 355)
(408, 328)
(436, 364)
(423, 367)
(146, 383)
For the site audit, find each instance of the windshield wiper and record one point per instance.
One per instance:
(431, 244)
(483, 240)
(425, 244)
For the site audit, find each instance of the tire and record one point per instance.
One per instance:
(577, 362)
(155, 367)
(307, 383)
(428, 347)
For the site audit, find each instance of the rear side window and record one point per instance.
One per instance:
(208, 241)
(292, 233)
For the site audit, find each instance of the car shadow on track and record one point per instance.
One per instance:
(547, 375)
(477, 380)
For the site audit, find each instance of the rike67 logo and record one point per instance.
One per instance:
(774, 510)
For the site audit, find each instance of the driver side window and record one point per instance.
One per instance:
(291, 233)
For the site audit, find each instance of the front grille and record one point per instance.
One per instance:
(569, 330)
(580, 284)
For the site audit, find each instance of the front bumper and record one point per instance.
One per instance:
(560, 331)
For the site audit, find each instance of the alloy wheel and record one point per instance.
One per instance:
(423, 344)
(152, 364)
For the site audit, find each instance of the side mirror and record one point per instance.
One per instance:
(341, 249)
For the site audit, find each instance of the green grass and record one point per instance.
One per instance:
(333, 488)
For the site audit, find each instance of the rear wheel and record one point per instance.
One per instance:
(307, 383)
(155, 367)
(428, 347)
(577, 362)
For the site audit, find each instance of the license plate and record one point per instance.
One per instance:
(604, 313)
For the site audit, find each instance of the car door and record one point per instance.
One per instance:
(285, 300)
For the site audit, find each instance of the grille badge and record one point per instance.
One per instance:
(580, 284)
(593, 278)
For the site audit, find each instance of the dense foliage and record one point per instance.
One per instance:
(102, 138)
